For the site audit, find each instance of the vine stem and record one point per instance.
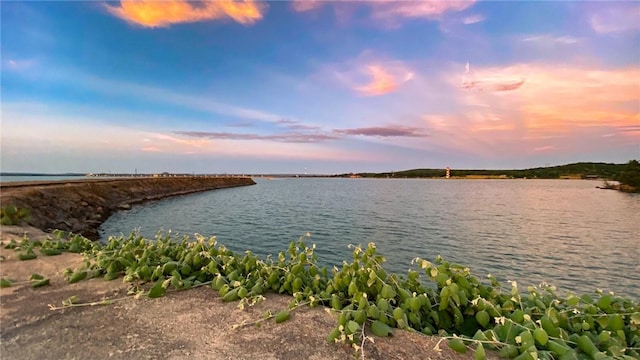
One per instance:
(271, 316)
(364, 338)
(111, 301)
(95, 303)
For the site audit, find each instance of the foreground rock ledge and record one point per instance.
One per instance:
(190, 324)
(81, 206)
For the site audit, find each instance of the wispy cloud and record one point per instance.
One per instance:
(311, 137)
(306, 5)
(544, 148)
(161, 95)
(369, 77)
(473, 19)
(616, 17)
(153, 13)
(283, 137)
(498, 81)
(416, 9)
(382, 82)
(546, 38)
(19, 64)
(389, 12)
(151, 149)
(384, 131)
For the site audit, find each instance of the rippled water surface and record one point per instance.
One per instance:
(567, 233)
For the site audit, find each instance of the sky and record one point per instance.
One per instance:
(317, 87)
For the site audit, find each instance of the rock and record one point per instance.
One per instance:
(55, 204)
(64, 225)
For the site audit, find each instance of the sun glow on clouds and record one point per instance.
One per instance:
(557, 110)
(153, 13)
(151, 149)
(381, 82)
(373, 78)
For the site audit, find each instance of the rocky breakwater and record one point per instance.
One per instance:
(81, 206)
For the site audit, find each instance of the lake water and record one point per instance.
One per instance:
(564, 232)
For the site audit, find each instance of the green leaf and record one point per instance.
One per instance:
(378, 328)
(39, 283)
(540, 336)
(480, 354)
(5, 283)
(615, 322)
(458, 345)
(282, 316)
(483, 318)
(157, 290)
(35, 276)
(77, 276)
(334, 335)
(353, 326)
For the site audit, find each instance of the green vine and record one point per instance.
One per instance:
(434, 298)
(11, 215)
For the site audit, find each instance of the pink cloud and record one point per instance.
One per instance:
(416, 9)
(558, 110)
(390, 12)
(616, 17)
(369, 77)
(153, 13)
(306, 5)
(491, 81)
(544, 148)
(382, 82)
(151, 149)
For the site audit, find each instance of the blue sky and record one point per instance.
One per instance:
(317, 86)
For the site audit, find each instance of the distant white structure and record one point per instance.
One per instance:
(448, 172)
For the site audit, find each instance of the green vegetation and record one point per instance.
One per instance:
(438, 298)
(629, 177)
(36, 281)
(577, 170)
(11, 215)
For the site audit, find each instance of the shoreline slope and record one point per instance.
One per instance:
(81, 206)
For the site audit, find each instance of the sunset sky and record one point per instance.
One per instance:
(317, 86)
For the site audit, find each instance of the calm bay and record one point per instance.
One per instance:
(563, 232)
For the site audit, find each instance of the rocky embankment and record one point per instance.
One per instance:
(81, 206)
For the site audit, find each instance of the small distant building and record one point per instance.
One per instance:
(448, 174)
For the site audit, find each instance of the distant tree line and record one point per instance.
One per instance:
(630, 176)
(582, 170)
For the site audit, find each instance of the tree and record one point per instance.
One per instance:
(630, 175)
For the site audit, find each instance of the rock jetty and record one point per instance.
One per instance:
(81, 206)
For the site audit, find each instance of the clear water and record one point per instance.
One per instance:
(564, 232)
